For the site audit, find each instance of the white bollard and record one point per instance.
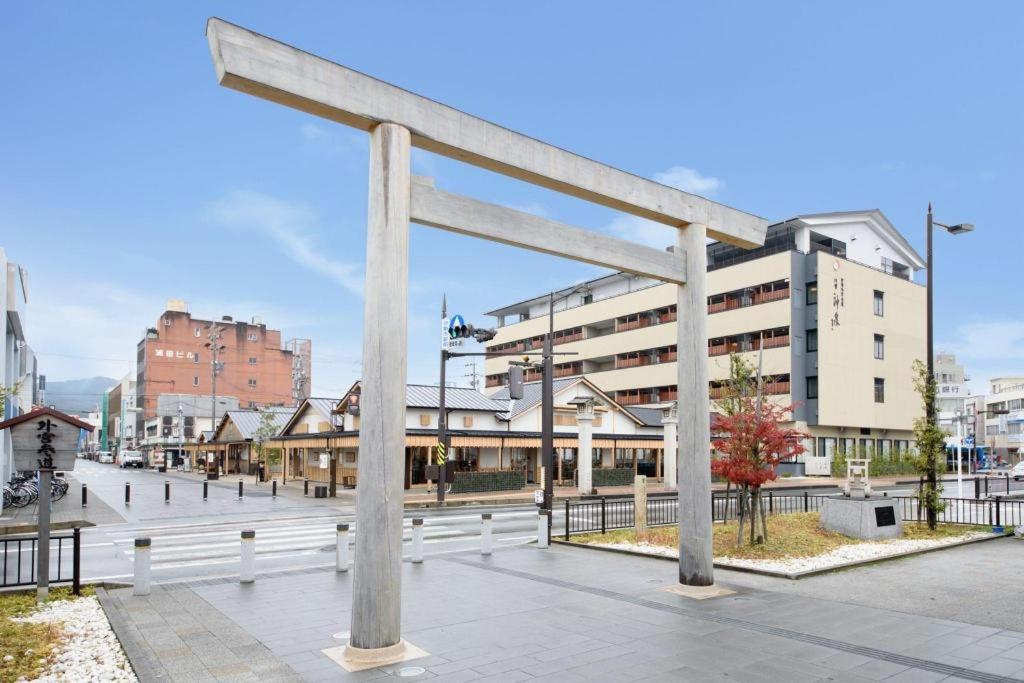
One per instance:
(247, 571)
(417, 540)
(542, 528)
(142, 558)
(485, 534)
(341, 549)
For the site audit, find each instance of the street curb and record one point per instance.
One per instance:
(793, 576)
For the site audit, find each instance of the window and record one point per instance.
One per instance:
(879, 346)
(424, 420)
(879, 303)
(252, 405)
(812, 340)
(812, 386)
(252, 360)
(827, 447)
(197, 332)
(588, 299)
(812, 293)
(252, 336)
(195, 357)
(467, 420)
(879, 390)
(195, 381)
(252, 383)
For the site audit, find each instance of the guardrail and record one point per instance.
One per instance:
(19, 560)
(603, 514)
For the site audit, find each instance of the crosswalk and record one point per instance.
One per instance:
(197, 548)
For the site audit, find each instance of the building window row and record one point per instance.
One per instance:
(633, 397)
(634, 359)
(749, 341)
(748, 296)
(771, 385)
(655, 316)
(565, 336)
(829, 447)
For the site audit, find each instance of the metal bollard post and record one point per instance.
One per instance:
(142, 558)
(977, 488)
(239, 489)
(986, 486)
(273, 488)
(1007, 484)
(771, 503)
(206, 490)
(999, 517)
(806, 506)
(341, 549)
(542, 528)
(604, 516)
(305, 487)
(85, 495)
(486, 544)
(417, 540)
(127, 493)
(247, 571)
(167, 491)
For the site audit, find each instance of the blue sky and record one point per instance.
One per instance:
(129, 177)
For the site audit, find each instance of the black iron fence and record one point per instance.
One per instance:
(19, 560)
(604, 514)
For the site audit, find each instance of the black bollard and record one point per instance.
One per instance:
(206, 490)
(305, 487)
(239, 489)
(85, 495)
(273, 489)
(167, 491)
(127, 493)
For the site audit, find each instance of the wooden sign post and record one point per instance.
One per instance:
(44, 441)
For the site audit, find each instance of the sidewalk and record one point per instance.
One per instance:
(560, 614)
(66, 513)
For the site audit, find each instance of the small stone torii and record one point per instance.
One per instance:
(397, 120)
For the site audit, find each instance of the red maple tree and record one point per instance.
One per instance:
(751, 442)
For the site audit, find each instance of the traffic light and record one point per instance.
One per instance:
(515, 382)
(458, 329)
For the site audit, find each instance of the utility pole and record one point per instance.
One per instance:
(547, 420)
(474, 383)
(215, 348)
(181, 431)
(442, 409)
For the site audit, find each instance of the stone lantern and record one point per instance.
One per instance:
(584, 452)
(670, 457)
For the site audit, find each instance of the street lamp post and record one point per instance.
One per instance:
(957, 229)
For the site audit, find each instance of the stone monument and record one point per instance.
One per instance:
(856, 513)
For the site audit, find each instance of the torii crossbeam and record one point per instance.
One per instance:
(398, 120)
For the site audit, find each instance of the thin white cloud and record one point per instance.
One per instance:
(289, 224)
(657, 235)
(311, 131)
(689, 180)
(988, 349)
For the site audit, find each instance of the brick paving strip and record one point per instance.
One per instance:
(174, 635)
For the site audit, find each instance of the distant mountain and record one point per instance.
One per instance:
(75, 396)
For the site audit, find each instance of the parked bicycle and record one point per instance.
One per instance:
(23, 490)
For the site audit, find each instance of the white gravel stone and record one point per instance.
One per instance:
(855, 552)
(91, 651)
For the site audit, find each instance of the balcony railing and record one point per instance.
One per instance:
(632, 362)
(777, 387)
(568, 338)
(667, 317)
(568, 372)
(632, 324)
(772, 342)
(633, 399)
(731, 303)
(765, 297)
(667, 357)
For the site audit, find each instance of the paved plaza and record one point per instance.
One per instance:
(569, 614)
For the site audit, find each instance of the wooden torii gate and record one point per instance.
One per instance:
(397, 120)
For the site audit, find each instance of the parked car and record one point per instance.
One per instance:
(132, 459)
(1018, 471)
(106, 458)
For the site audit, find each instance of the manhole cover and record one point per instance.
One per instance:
(341, 635)
(410, 671)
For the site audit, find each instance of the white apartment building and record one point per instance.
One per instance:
(1004, 434)
(951, 394)
(19, 363)
(829, 301)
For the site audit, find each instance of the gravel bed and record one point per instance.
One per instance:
(91, 651)
(855, 552)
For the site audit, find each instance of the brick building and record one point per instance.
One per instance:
(174, 358)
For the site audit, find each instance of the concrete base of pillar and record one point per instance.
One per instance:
(699, 592)
(359, 659)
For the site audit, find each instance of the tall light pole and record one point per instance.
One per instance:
(957, 229)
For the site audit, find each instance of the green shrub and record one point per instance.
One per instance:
(620, 476)
(476, 482)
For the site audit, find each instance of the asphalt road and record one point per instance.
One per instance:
(196, 539)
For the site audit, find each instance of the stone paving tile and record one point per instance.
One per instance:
(1003, 666)
(878, 670)
(916, 676)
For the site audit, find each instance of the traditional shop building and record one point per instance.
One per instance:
(495, 441)
(231, 445)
